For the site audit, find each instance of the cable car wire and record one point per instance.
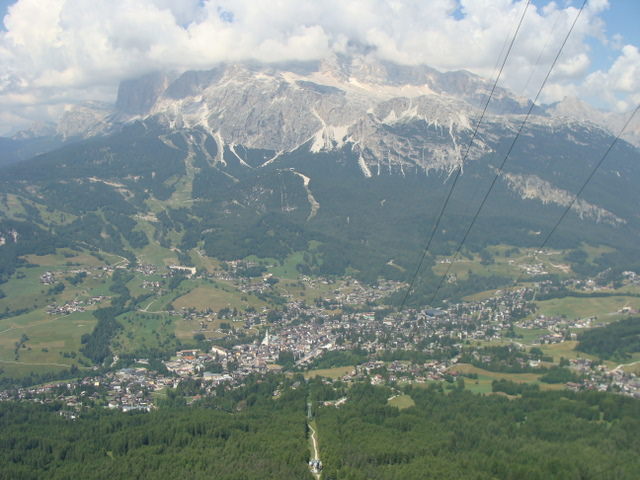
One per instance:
(506, 157)
(464, 158)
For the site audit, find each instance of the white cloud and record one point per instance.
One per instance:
(619, 86)
(78, 49)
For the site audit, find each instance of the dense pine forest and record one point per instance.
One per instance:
(261, 439)
(251, 433)
(617, 341)
(552, 435)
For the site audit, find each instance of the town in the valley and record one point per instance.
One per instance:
(348, 335)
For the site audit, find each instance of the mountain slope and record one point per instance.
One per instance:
(351, 156)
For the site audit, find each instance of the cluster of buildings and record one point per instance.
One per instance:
(598, 378)
(378, 372)
(146, 269)
(556, 323)
(48, 278)
(74, 305)
(347, 320)
(125, 389)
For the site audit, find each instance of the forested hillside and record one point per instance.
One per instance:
(266, 440)
(149, 185)
(541, 436)
(248, 433)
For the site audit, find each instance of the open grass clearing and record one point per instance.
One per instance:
(12, 205)
(186, 328)
(506, 263)
(485, 377)
(633, 367)
(305, 292)
(153, 253)
(568, 351)
(23, 369)
(64, 258)
(462, 266)
(288, 268)
(594, 252)
(477, 297)
(49, 337)
(143, 332)
(333, 373)
(529, 335)
(605, 308)
(401, 402)
(26, 292)
(216, 296)
(204, 262)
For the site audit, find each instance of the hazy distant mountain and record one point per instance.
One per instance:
(575, 109)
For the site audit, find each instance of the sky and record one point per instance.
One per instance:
(57, 53)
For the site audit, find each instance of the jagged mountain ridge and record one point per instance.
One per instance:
(332, 103)
(343, 100)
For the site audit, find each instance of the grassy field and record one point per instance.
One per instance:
(605, 308)
(153, 253)
(159, 303)
(288, 267)
(215, 296)
(530, 336)
(49, 337)
(332, 373)
(11, 205)
(401, 402)
(64, 258)
(477, 297)
(202, 261)
(594, 252)
(633, 367)
(25, 291)
(564, 349)
(144, 331)
(485, 377)
(462, 266)
(299, 290)
(568, 351)
(504, 263)
(185, 328)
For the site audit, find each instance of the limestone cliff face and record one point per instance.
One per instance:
(533, 187)
(395, 119)
(343, 100)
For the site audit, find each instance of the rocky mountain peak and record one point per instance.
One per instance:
(574, 109)
(137, 96)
